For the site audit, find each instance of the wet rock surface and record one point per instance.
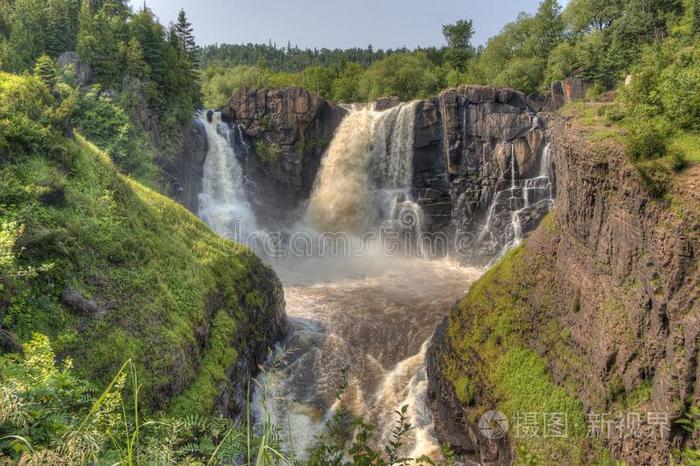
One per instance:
(284, 134)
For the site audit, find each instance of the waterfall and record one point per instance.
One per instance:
(223, 202)
(366, 177)
(341, 195)
(516, 226)
(522, 199)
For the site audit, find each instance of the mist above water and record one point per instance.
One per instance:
(371, 312)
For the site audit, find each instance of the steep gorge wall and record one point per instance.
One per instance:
(603, 295)
(187, 169)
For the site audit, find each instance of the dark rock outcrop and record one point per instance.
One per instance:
(463, 143)
(385, 103)
(566, 91)
(70, 61)
(187, 169)
(263, 326)
(81, 305)
(286, 132)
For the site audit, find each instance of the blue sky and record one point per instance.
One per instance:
(338, 23)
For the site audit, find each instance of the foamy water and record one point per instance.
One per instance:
(377, 326)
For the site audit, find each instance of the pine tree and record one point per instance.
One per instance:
(45, 69)
(28, 34)
(184, 31)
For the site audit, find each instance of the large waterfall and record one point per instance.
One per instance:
(366, 177)
(369, 313)
(343, 193)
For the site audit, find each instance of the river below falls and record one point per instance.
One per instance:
(372, 316)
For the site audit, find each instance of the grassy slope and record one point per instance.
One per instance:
(70, 220)
(490, 333)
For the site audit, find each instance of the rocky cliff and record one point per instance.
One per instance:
(465, 140)
(187, 169)
(472, 145)
(285, 133)
(597, 313)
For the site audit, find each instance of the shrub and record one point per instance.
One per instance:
(268, 152)
(614, 113)
(655, 177)
(464, 390)
(678, 161)
(646, 143)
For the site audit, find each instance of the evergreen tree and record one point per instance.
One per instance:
(45, 69)
(459, 47)
(62, 26)
(184, 31)
(28, 34)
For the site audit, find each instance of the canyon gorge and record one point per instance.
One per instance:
(458, 182)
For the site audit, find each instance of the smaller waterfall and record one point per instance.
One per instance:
(223, 202)
(514, 206)
(516, 226)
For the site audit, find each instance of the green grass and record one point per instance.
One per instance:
(688, 144)
(201, 394)
(464, 390)
(594, 118)
(526, 387)
(492, 364)
(70, 220)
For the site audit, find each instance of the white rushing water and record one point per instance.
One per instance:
(223, 202)
(366, 176)
(375, 323)
(522, 197)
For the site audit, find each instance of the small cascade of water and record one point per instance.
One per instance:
(223, 202)
(516, 226)
(524, 198)
(465, 147)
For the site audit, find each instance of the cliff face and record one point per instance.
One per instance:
(600, 304)
(285, 133)
(464, 142)
(187, 169)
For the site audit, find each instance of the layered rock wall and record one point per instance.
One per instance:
(464, 140)
(615, 272)
(285, 133)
